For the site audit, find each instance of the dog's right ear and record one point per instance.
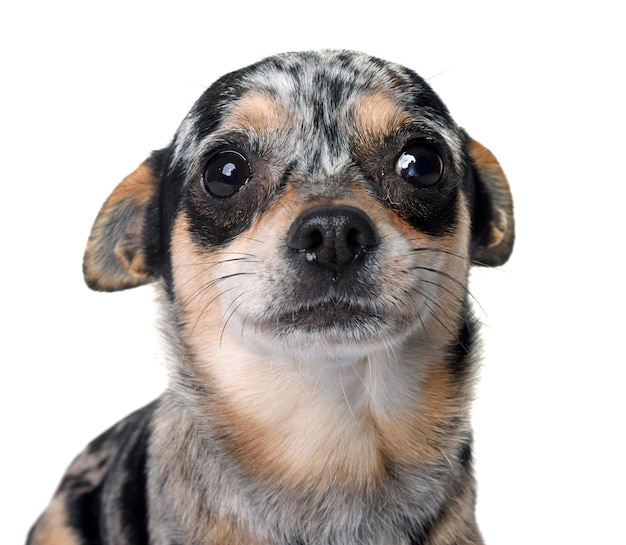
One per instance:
(116, 254)
(494, 227)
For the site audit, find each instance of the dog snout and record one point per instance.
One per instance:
(333, 237)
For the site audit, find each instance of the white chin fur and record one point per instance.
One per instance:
(334, 345)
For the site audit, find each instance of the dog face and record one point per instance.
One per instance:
(311, 225)
(322, 204)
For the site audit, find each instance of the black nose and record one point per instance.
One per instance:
(333, 237)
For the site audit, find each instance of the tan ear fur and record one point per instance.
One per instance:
(115, 257)
(496, 243)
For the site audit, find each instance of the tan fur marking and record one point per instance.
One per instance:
(497, 247)
(91, 466)
(456, 524)
(137, 186)
(488, 165)
(257, 112)
(378, 115)
(226, 530)
(416, 433)
(52, 528)
(193, 273)
(300, 444)
(114, 257)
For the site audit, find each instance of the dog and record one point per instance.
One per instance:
(310, 229)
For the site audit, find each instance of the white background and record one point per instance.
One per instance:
(87, 92)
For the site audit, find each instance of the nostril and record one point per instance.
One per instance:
(354, 237)
(332, 236)
(364, 235)
(306, 239)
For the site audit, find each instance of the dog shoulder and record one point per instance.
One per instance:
(110, 469)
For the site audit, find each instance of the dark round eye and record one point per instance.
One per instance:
(420, 164)
(225, 173)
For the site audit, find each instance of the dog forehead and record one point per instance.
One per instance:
(321, 98)
(325, 90)
(372, 116)
(314, 138)
(332, 75)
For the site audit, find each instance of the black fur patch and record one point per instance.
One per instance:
(124, 479)
(461, 351)
(466, 455)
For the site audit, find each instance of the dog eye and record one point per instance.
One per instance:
(225, 173)
(420, 164)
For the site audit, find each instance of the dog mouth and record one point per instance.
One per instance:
(329, 315)
(340, 323)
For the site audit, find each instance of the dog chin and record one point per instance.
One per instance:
(329, 332)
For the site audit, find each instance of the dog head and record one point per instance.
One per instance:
(324, 203)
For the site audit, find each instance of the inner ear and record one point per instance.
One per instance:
(115, 257)
(493, 221)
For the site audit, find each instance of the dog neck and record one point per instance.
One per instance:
(352, 433)
(325, 412)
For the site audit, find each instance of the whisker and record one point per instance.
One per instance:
(391, 353)
(345, 396)
(203, 290)
(442, 287)
(243, 255)
(456, 281)
(427, 303)
(211, 284)
(257, 240)
(439, 251)
(445, 456)
(466, 290)
(372, 379)
(424, 328)
(201, 313)
(207, 265)
(231, 313)
(365, 385)
(442, 273)
(310, 388)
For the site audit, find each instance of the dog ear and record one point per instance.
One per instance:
(116, 255)
(493, 226)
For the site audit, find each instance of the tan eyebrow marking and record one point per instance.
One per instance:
(377, 115)
(258, 112)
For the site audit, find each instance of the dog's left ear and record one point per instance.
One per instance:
(116, 255)
(493, 224)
